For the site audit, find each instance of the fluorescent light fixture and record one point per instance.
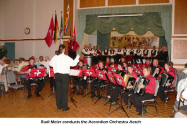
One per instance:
(107, 16)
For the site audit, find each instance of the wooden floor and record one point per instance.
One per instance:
(45, 106)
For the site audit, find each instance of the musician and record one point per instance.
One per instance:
(117, 89)
(162, 55)
(85, 62)
(156, 69)
(95, 85)
(130, 88)
(105, 51)
(72, 47)
(138, 58)
(107, 62)
(149, 91)
(119, 53)
(169, 85)
(122, 60)
(145, 53)
(112, 52)
(80, 83)
(124, 51)
(85, 51)
(28, 82)
(90, 49)
(147, 63)
(153, 52)
(61, 65)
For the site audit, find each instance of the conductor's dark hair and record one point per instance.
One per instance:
(185, 65)
(61, 47)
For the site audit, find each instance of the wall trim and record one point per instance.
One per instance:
(126, 6)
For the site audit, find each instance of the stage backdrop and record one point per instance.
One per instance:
(133, 40)
(157, 18)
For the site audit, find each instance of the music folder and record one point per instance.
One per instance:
(111, 78)
(36, 73)
(119, 79)
(89, 72)
(101, 75)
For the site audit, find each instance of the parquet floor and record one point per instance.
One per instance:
(45, 106)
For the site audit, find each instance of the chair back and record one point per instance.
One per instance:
(156, 87)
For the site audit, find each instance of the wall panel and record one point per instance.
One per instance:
(153, 1)
(121, 2)
(91, 3)
(179, 49)
(180, 26)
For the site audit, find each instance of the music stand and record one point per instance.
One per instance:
(89, 73)
(119, 79)
(74, 72)
(101, 76)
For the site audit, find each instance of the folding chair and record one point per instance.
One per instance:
(153, 100)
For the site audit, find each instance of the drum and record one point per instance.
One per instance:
(89, 60)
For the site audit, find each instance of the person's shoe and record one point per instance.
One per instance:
(166, 100)
(113, 103)
(37, 94)
(66, 109)
(29, 96)
(58, 110)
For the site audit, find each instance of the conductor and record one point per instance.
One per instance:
(61, 65)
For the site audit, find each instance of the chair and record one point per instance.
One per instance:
(11, 82)
(153, 100)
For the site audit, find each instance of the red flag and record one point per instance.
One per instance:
(74, 35)
(49, 36)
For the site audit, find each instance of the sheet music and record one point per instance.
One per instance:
(74, 72)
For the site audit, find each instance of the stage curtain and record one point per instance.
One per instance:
(103, 40)
(165, 12)
(140, 24)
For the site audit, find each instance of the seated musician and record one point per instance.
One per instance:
(107, 62)
(122, 60)
(28, 82)
(156, 69)
(117, 89)
(147, 63)
(85, 62)
(129, 89)
(124, 51)
(136, 99)
(169, 70)
(80, 82)
(95, 85)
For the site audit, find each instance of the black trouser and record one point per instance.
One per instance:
(52, 82)
(40, 84)
(62, 85)
(126, 96)
(136, 100)
(95, 86)
(116, 92)
(161, 93)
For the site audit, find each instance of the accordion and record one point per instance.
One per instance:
(166, 78)
(129, 81)
(155, 75)
(141, 80)
(36, 73)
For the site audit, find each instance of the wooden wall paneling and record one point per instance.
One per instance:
(71, 16)
(180, 20)
(91, 3)
(179, 49)
(121, 2)
(153, 1)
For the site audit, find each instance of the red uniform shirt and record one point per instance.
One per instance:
(150, 88)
